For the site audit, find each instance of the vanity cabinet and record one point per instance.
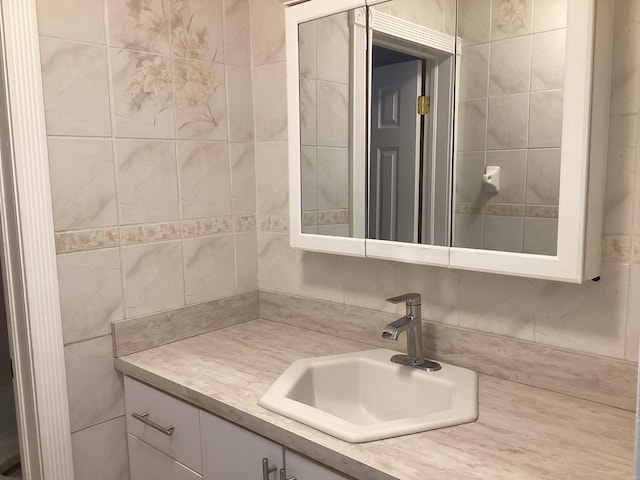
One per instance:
(201, 445)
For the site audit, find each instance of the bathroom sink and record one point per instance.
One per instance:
(363, 396)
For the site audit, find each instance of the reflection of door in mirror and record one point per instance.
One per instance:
(395, 151)
(324, 49)
(510, 101)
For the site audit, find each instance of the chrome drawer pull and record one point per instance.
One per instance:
(267, 470)
(144, 418)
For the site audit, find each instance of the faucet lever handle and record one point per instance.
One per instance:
(411, 299)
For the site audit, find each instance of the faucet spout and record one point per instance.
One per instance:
(412, 324)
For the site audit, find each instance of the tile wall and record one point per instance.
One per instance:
(324, 115)
(149, 115)
(600, 318)
(511, 80)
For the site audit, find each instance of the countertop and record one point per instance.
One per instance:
(521, 433)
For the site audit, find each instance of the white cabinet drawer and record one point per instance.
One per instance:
(147, 463)
(303, 469)
(166, 411)
(232, 453)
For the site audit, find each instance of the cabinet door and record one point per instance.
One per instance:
(148, 463)
(302, 469)
(230, 452)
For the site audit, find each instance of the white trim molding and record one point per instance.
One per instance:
(28, 255)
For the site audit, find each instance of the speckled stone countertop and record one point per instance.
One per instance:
(521, 433)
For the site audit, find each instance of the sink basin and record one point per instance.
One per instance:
(362, 396)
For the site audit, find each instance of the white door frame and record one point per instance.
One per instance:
(28, 253)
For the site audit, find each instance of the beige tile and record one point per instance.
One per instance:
(83, 188)
(153, 278)
(467, 230)
(141, 26)
(438, 15)
(273, 253)
(209, 268)
(547, 60)
(470, 167)
(321, 276)
(508, 122)
(95, 388)
(474, 21)
(497, 304)
(75, 87)
(240, 98)
(541, 236)
(90, 293)
(237, 35)
(510, 66)
(503, 233)
(243, 178)
(196, 29)
(621, 167)
(332, 107)
(309, 180)
(100, 451)
(270, 102)
(543, 176)
(474, 71)
(472, 125)
(142, 89)
(333, 178)
(590, 317)
(272, 178)
(246, 261)
(147, 181)
(267, 31)
(72, 19)
(625, 69)
(307, 49)
(368, 282)
(545, 119)
(205, 183)
(201, 102)
(549, 15)
(308, 112)
(332, 52)
(403, 9)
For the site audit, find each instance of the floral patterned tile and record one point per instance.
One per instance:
(142, 94)
(199, 89)
(207, 226)
(137, 234)
(196, 29)
(140, 24)
(79, 240)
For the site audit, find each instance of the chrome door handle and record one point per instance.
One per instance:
(144, 418)
(266, 469)
(283, 475)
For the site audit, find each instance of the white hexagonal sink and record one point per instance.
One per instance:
(363, 396)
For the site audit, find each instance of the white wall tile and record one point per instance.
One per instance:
(321, 276)
(470, 166)
(508, 122)
(197, 29)
(270, 102)
(333, 49)
(272, 178)
(147, 181)
(205, 183)
(95, 388)
(267, 31)
(75, 84)
(503, 233)
(332, 107)
(83, 187)
(209, 268)
(100, 452)
(474, 71)
(625, 69)
(153, 278)
(497, 304)
(72, 19)
(549, 15)
(547, 60)
(472, 125)
(541, 236)
(246, 262)
(371, 293)
(240, 115)
(90, 293)
(545, 122)
(333, 178)
(243, 178)
(474, 21)
(543, 176)
(588, 317)
(237, 35)
(467, 230)
(308, 111)
(273, 253)
(510, 66)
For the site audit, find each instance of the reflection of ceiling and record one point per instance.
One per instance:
(383, 56)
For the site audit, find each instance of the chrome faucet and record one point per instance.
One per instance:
(412, 324)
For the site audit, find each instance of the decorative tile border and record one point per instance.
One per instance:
(572, 373)
(333, 217)
(273, 223)
(618, 248)
(508, 210)
(82, 240)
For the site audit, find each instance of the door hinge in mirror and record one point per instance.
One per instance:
(424, 105)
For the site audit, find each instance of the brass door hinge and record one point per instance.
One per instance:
(424, 105)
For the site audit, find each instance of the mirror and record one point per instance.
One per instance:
(510, 90)
(441, 133)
